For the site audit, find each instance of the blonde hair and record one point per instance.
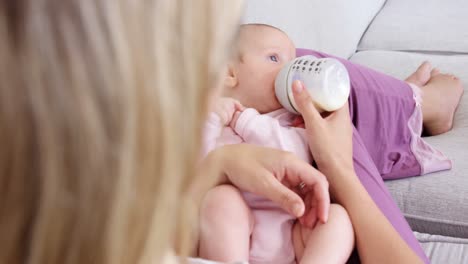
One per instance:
(101, 105)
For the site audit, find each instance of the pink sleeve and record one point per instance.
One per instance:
(266, 131)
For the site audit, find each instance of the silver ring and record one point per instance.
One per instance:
(301, 185)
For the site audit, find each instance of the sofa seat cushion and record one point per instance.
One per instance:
(332, 26)
(419, 25)
(435, 203)
(443, 250)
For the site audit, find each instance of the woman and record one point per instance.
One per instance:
(100, 115)
(100, 119)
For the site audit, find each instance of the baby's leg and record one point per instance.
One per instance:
(226, 223)
(332, 242)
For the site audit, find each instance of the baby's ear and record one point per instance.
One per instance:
(230, 80)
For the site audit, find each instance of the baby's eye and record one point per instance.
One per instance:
(274, 58)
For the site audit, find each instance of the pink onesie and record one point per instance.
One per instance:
(271, 240)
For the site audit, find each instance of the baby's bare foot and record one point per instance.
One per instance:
(441, 96)
(422, 75)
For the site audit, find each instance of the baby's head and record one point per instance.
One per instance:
(261, 52)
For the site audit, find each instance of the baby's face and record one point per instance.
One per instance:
(264, 51)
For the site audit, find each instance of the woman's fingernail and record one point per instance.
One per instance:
(298, 87)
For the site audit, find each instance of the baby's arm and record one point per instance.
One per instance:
(266, 131)
(220, 117)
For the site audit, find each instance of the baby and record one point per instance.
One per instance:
(261, 231)
(252, 228)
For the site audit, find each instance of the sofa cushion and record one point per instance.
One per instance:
(332, 26)
(435, 203)
(422, 25)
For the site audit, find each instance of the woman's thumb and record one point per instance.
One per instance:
(304, 102)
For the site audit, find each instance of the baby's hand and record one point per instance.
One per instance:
(234, 119)
(298, 121)
(226, 108)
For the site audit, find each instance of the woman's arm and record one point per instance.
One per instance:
(376, 239)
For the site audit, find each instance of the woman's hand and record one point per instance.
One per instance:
(272, 173)
(330, 138)
(309, 219)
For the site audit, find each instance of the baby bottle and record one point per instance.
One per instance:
(326, 80)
